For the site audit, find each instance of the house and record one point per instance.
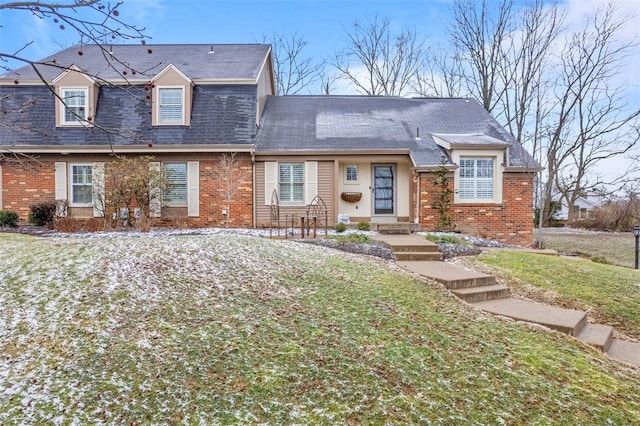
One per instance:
(385, 150)
(369, 158)
(583, 208)
(184, 105)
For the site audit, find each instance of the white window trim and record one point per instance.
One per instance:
(72, 203)
(63, 107)
(272, 181)
(498, 170)
(182, 121)
(291, 202)
(351, 182)
(186, 201)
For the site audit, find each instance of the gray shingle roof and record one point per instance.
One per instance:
(228, 61)
(366, 123)
(222, 114)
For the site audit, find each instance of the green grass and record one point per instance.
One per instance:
(610, 294)
(224, 329)
(617, 248)
(354, 237)
(448, 239)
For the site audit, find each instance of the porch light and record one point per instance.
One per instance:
(636, 233)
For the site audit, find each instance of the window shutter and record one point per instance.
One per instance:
(193, 189)
(97, 179)
(310, 181)
(270, 180)
(155, 192)
(61, 180)
(0, 186)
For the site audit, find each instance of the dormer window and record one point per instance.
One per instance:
(171, 105)
(74, 106)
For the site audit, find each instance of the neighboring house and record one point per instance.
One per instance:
(183, 104)
(385, 149)
(583, 208)
(369, 158)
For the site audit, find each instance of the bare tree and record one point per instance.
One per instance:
(293, 70)
(479, 32)
(590, 120)
(526, 54)
(378, 62)
(231, 174)
(442, 75)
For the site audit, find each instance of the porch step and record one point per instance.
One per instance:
(482, 293)
(417, 255)
(597, 335)
(415, 248)
(396, 228)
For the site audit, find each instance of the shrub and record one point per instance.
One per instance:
(351, 238)
(341, 227)
(8, 218)
(447, 239)
(364, 226)
(42, 214)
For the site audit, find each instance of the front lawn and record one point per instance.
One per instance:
(244, 330)
(610, 294)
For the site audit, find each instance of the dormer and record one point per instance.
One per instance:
(480, 161)
(76, 98)
(172, 98)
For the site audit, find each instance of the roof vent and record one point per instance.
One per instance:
(418, 138)
(211, 51)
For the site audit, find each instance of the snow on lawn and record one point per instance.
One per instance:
(88, 325)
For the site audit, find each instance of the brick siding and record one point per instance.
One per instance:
(510, 222)
(25, 184)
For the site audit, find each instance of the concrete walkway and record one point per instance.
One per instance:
(482, 291)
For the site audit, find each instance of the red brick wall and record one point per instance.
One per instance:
(213, 195)
(26, 184)
(510, 222)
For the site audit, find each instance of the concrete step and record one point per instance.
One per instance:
(417, 256)
(628, 352)
(394, 230)
(431, 248)
(567, 321)
(451, 276)
(597, 335)
(480, 294)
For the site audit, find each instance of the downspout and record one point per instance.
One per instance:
(254, 205)
(418, 197)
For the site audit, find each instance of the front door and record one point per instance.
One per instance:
(383, 189)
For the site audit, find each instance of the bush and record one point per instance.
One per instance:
(446, 239)
(363, 226)
(42, 214)
(8, 218)
(351, 238)
(341, 227)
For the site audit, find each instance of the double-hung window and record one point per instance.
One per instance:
(74, 106)
(175, 193)
(476, 179)
(291, 182)
(171, 105)
(81, 185)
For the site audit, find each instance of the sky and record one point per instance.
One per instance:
(321, 23)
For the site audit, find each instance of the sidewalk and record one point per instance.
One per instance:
(483, 292)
